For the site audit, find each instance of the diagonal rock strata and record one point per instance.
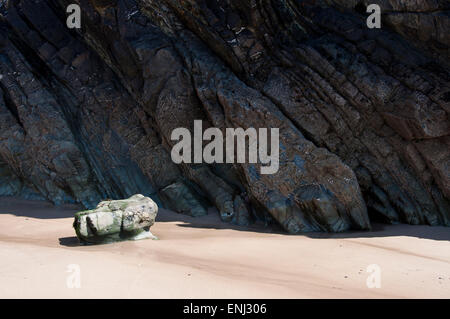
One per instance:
(363, 114)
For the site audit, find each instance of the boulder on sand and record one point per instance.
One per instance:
(116, 220)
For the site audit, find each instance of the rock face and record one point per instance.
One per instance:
(116, 220)
(363, 114)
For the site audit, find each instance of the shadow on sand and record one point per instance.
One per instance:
(36, 208)
(212, 221)
(46, 210)
(71, 241)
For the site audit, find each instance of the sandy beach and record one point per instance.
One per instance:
(205, 258)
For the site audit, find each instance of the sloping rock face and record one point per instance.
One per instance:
(363, 114)
(116, 220)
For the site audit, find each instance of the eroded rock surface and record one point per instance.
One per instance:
(116, 220)
(363, 114)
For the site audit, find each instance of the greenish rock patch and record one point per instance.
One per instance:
(117, 220)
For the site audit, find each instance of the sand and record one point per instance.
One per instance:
(205, 258)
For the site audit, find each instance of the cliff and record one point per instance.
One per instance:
(363, 114)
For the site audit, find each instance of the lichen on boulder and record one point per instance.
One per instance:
(117, 220)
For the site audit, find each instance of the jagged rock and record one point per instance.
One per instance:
(363, 113)
(180, 198)
(116, 220)
(241, 215)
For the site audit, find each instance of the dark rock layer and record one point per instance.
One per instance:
(363, 113)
